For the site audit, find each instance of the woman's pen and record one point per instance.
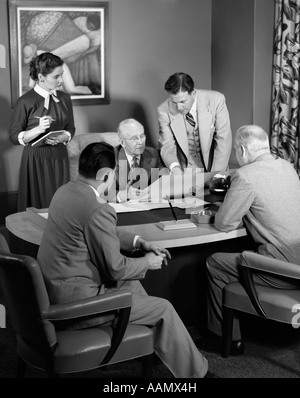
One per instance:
(171, 207)
(49, 117)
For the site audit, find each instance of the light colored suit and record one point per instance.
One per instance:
(266, 195)
(213, 122)
(80, 256)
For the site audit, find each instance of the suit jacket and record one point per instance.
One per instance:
(150, 159)
(214, 129)
(266, 195)
(80, 249)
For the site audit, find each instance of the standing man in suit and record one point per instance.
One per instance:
(137, 164)
(265, 194)
(194, 127)
(80, 256)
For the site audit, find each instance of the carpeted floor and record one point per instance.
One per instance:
(272, 351)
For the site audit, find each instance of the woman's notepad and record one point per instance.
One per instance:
(50, 134)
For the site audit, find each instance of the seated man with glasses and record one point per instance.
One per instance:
(137, 165)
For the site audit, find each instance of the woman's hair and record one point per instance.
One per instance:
(94, 157)
(44, 63)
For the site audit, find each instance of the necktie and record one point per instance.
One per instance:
(135, 162)
(190, 119)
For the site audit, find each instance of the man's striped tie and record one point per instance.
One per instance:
(135, 162)
(190, 119)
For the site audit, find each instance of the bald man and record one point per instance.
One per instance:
(265, 194)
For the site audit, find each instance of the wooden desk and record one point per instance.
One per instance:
(182, 282)
(29, 226)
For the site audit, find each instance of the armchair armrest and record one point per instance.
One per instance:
(91, 306)
(253, 262)
(120, 301)
(271, 265)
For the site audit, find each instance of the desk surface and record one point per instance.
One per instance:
(29, 226)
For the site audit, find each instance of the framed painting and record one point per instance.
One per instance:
(76, 31)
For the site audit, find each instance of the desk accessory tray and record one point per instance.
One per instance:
(203, 217)
(173, 225)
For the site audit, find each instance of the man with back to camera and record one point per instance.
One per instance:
(194, 127)
(81, 234)
(138, 165)
(265, 194)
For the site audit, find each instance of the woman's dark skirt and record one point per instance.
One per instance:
(43, 170)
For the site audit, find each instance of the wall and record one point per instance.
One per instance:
(263, 60)
(242, 43)
(148, 41)
(225, 45)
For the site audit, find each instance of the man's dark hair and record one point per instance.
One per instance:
(179, 82)
(94, 157)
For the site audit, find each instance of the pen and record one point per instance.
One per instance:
(51, 119)
(171, 207)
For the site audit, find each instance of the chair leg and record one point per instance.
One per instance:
(147, 366)
(21, 368)
(227, 326)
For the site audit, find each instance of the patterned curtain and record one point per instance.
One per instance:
(285, 96)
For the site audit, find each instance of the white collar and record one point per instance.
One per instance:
(46, 94)
(130, 158)
(95, 190)
(193, 109)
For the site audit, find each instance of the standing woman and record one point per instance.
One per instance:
(45, 166)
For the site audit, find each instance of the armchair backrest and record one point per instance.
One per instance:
(79, 142)
(3, 244)
(26, 298)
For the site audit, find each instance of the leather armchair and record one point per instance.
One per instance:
(79, 142)
(43, 341)
(263, 301)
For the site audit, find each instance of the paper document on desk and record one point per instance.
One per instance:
(129, 206)
(189, 203)
(173, 186)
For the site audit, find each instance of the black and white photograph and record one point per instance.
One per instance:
(150, 194)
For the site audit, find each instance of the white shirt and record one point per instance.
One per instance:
(130, 158)
(193, 112)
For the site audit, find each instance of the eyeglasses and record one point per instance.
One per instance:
(135, 138)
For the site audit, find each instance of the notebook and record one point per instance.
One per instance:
(50, 134)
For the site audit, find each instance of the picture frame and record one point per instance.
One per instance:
(77, 31)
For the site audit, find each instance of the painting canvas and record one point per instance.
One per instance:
(75, 31)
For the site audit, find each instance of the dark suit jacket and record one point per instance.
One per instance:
(150, 164)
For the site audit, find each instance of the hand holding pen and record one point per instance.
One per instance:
(45, 122)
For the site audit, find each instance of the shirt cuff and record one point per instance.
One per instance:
(21, 137)
(134, 242)
(118, 199)
(174, 164)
